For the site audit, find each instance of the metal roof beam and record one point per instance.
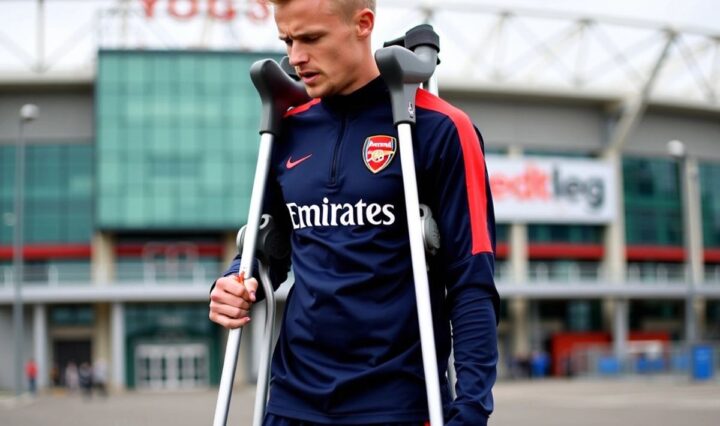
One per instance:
(634, 107)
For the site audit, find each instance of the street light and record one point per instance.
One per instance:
(28, 113)
(690, 205)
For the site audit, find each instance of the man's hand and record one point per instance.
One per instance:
(231, 299)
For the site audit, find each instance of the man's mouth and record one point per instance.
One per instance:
(308, 76)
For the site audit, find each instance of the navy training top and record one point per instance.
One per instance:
(349, 346)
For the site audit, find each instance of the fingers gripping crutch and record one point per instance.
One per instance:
(278, 92)
(403, 71)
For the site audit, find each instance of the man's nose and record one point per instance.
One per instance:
(297, 55)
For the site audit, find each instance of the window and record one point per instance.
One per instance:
(579, 234)
(710, 200)
(72, 315)
(653, 208)
(564, 271)
(177, 139)
(58, 192)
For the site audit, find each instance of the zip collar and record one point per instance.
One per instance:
(373, 93)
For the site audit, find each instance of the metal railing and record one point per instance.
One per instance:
(712, 274)
(657, 273)
(51, 275)
(587, 273)
(145, 273)
(160, 273)
(643, 359)
(564, 273)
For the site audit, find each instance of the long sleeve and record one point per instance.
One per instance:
(476, 355)
(456, 184)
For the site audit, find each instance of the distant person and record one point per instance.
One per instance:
(72, 378)
(31, 374)
(86, 380)
(55, 375)
(100, 377)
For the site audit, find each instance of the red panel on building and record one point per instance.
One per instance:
(565, 251)
(48, 251)
(655, 253)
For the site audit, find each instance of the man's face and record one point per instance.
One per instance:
(323, 47)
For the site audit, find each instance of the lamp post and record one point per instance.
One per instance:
(692, 235)
(28, 113)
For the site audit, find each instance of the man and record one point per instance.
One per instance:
(349, 351)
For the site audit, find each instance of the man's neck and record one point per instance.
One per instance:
(370, 73)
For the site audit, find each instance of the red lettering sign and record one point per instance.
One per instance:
(260, 11)
(221, 10)
(532, 183)
(189, 13)
(149, 7)
(227, 14)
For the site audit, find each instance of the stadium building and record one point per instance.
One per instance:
(139, 163)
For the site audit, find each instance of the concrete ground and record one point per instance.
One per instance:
(556, 403)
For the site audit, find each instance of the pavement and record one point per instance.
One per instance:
(538, 403)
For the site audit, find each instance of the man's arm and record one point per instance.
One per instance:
(462, 204)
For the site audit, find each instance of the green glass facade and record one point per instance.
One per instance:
(176, 139)
(72, 315)
(710, 199)
(653, 208)
(577, 234)
(502, 231)
(58, 192)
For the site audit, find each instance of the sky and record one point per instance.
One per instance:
(686, 13)
(70, 23)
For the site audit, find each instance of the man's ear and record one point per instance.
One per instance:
(364, 23)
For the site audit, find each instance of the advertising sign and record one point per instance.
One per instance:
(552, 190)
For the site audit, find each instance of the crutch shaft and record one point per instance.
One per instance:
(261, 391)
(422, 287)
(253, 223)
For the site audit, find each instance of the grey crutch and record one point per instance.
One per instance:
(404, 70)
(278, 92)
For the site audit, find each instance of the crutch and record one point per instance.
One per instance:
(431, 236)
(404, 69)
(278, 92)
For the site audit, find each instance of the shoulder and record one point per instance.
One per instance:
(445, 117)
(425, 100)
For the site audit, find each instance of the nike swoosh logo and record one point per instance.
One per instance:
(290, 163)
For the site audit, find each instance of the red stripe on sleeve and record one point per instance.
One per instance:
(304, 107)
(474, 167)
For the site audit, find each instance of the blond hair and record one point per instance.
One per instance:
(346, 8)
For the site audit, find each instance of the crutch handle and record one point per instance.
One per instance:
(403, 70)
(423, 34)
(400, 41)
(278, 92)
(271, 242)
